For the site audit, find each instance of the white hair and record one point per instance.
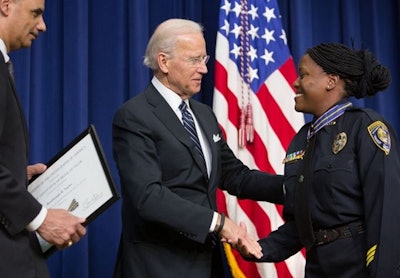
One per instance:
(165, 36)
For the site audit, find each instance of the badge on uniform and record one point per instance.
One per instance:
(380, 135)
(339, 142)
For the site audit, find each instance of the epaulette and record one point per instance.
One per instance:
(372, 114)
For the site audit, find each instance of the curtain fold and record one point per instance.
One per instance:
(90, 61)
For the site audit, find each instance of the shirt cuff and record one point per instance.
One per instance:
(213, 222)
(37, 221)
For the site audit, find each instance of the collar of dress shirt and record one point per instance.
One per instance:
(172, 98)
(3, 50)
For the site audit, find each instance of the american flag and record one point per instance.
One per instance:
(254, 104)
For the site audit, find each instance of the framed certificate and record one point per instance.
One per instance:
(77, 179)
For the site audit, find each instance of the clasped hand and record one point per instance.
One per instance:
(239, 239)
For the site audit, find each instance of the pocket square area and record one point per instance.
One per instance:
(216, 137)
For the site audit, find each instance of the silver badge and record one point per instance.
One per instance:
(339, 142)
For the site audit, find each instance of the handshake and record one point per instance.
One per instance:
(237, 237)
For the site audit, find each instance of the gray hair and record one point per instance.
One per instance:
(164, 38)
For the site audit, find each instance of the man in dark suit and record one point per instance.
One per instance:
(169, 175)
(21, 215)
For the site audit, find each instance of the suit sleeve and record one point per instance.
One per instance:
(280, 244)
(239, 180)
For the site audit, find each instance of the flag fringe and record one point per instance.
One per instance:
(235, 269)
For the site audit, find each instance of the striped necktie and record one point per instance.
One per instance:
(190, 127)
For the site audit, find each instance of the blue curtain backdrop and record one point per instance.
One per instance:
(90, 61)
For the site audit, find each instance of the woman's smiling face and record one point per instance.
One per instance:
(311, 88)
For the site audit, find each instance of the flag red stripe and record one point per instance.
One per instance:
(221, 202)
(248, 268)
(282, 270)
(221, 79)
(257, 216)
(260, 154)
(287, 70)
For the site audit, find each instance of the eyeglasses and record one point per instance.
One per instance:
(196, 61)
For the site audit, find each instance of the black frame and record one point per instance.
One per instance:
(91, 130)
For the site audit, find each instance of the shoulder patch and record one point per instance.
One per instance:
(380, 136)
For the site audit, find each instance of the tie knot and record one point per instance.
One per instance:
(183, 106)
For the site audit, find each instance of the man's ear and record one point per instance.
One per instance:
(162, 60)
(5, 7)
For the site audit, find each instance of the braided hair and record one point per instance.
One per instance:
(362, 73)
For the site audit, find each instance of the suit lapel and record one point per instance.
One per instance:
(204, 120)
(212, 135)
(17, 100)
(24, 124)
(168, 117)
